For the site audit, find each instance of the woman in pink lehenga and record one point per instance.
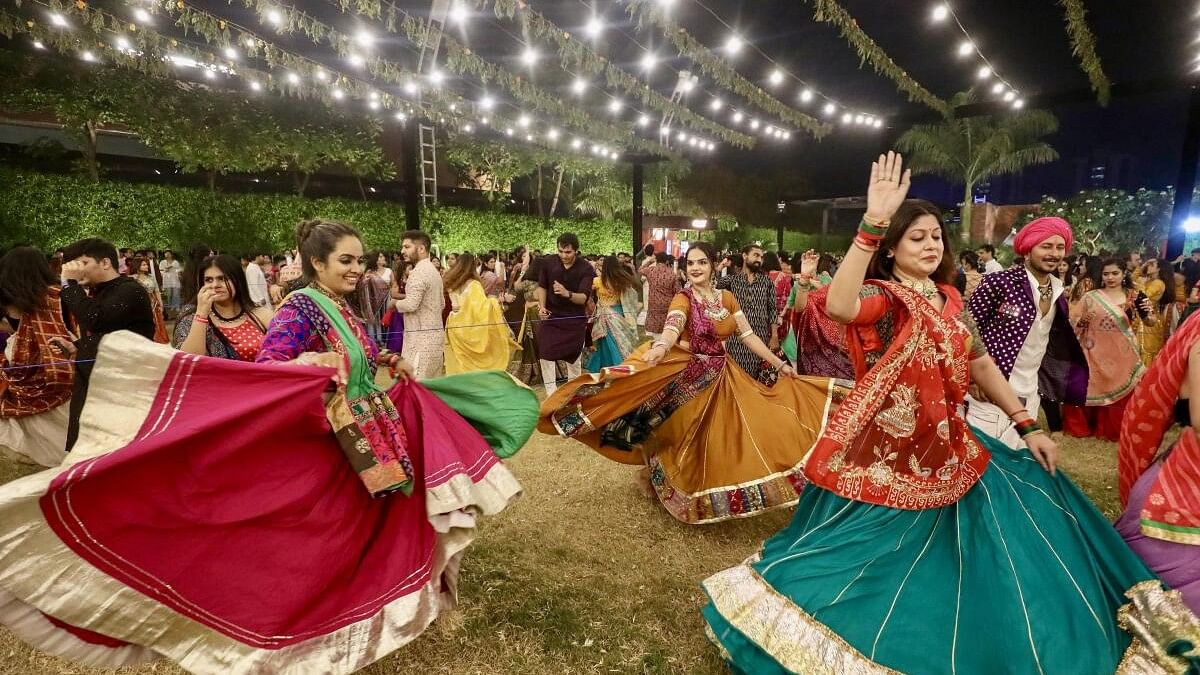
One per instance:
(225, 516)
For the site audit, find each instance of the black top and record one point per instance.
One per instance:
(119, 304)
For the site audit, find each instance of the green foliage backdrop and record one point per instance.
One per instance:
(50, 211)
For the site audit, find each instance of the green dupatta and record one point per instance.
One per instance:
(364, 420)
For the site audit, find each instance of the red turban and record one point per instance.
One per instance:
(1040, 230)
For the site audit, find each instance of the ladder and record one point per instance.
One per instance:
(428, 140)
(426, 134)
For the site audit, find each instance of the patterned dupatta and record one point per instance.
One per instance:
(363, 418)
(31, 391)
(900, 439)
(1172, 508)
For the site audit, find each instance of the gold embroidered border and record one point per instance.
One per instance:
(1156, 618)
(775, 624)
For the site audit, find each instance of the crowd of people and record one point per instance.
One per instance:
(891, 395)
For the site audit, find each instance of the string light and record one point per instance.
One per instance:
(37, 44)
(738, 117)
(524, 121)
(847, 118)
(965, 48)
(754, 124)
(274, 17)
(775, 78)
(1010, 96)
(594, 27)
(87, 56)
(649, 61)
(614, 106)
(1019, 103)
(508, 131)
(997, 88)
(483, 120)
(293, 78)
(321, 75)
(576, 143)
(458, 14)
(806, 96)
(209, 74)
(984, 73)
(529, 137)
(142, 15)
(878, 124)
(123, 44)
(940, 12)
(529, 56)
(643, 120)
(579, 85)
(436, 77)
(468, 128)
(231, 53)
(338, 94)
(401, 117)
(552, 134)
(487, 103)
(364, 39)
(859, 119)
(356, 60)
(734, 44)
(255, 86)
(59, 20)
(716, 104)
(829, 109)
(682, 136)
(373, 105)
(410, 87)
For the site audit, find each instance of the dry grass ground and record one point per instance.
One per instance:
(582, 575)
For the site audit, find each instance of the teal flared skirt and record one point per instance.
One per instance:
(1021, 575)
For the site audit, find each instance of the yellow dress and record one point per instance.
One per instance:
(477, 337)
(1150, 338)
(718, 443)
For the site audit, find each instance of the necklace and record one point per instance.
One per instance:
(712, 306)
(227, 319)
(1044, 291)
(925, 287)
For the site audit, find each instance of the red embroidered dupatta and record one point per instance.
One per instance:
(899, 439)
(1172, 508)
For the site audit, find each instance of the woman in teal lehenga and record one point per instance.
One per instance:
(921, 546)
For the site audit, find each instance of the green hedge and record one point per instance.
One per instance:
(51, 210)
(792, 241)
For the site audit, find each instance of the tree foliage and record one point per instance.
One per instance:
(970, 150)
(1113, 220)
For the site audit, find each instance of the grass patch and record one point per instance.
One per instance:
(582, 575)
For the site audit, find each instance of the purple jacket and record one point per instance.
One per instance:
(1004, 310)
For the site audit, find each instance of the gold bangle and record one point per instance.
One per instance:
(873, 222)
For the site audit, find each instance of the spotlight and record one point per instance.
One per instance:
(734, 44)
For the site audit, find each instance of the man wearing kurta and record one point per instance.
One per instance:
(564, 286)
(422, 304)
(755, 292)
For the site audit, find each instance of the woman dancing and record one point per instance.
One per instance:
(715, 443)
(36, 374)
(614, 327)
(477, 338)
(222, 321)
(921, 546)
(269, 531)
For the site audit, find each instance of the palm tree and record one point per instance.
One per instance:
(970, 150)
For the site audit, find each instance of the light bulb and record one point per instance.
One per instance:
(529, 137)
(61, 21)
(594, 27)
(1019, 103)
(483, 120)
(847, 118)
(255, 86)
(614, 106)
(579, 85)
(436, 77)
(410, 87)
(142, 15)
(776, 77)
(208, 74)
(682, 136)
(753, 124)
(321, 75)
(458, 13)
(487, 103)
(940, 12)
(338, 94)
(664, 131)
(830, 108)
(529, 56)
(401, 117)
(293, 78)
(806, 96)
(878, 124)
(468, 128)
(984, 73)
(231, 53)
(734, 44)
(716, 104)
(364, 38)
(87, 56)
(643, 120)
(859, 119)
(1010, 95)
(738, 117)
(965, 48)
(787, 135)
(576, 143)
(508, 131)
(356, 60)
(373, 105)
(997, 88)
(552, 134)
(122, 44)
(649, 61)
(37, 44)
(524, 121)
(273, 16)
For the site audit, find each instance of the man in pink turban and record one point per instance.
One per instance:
(1023, 321)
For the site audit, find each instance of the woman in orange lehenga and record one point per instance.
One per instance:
(716, 444)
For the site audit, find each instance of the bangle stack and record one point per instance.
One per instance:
(870, 233)
(199, 319)
(1028, 427)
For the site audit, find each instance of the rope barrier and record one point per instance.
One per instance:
(386, 333)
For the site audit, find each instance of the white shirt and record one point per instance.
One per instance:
(257, 281)
(170, 273)
(1024, 376)
(993, 266)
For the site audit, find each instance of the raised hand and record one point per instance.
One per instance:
(888, 187)
(808, 262)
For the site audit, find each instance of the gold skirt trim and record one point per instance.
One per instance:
(1158, 621)
(791, 636)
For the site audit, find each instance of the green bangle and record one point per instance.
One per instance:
(872, 230)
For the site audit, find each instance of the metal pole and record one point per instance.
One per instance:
(639, 186)
(1185, 185)
(410, 172)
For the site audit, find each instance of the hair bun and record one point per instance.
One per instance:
(304, 230)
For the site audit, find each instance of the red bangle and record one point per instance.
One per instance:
(201, 319)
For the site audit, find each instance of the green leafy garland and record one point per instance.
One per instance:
(829, 11)
(577, 55)
(1083, 46)
(462, 60)
(719, 70)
